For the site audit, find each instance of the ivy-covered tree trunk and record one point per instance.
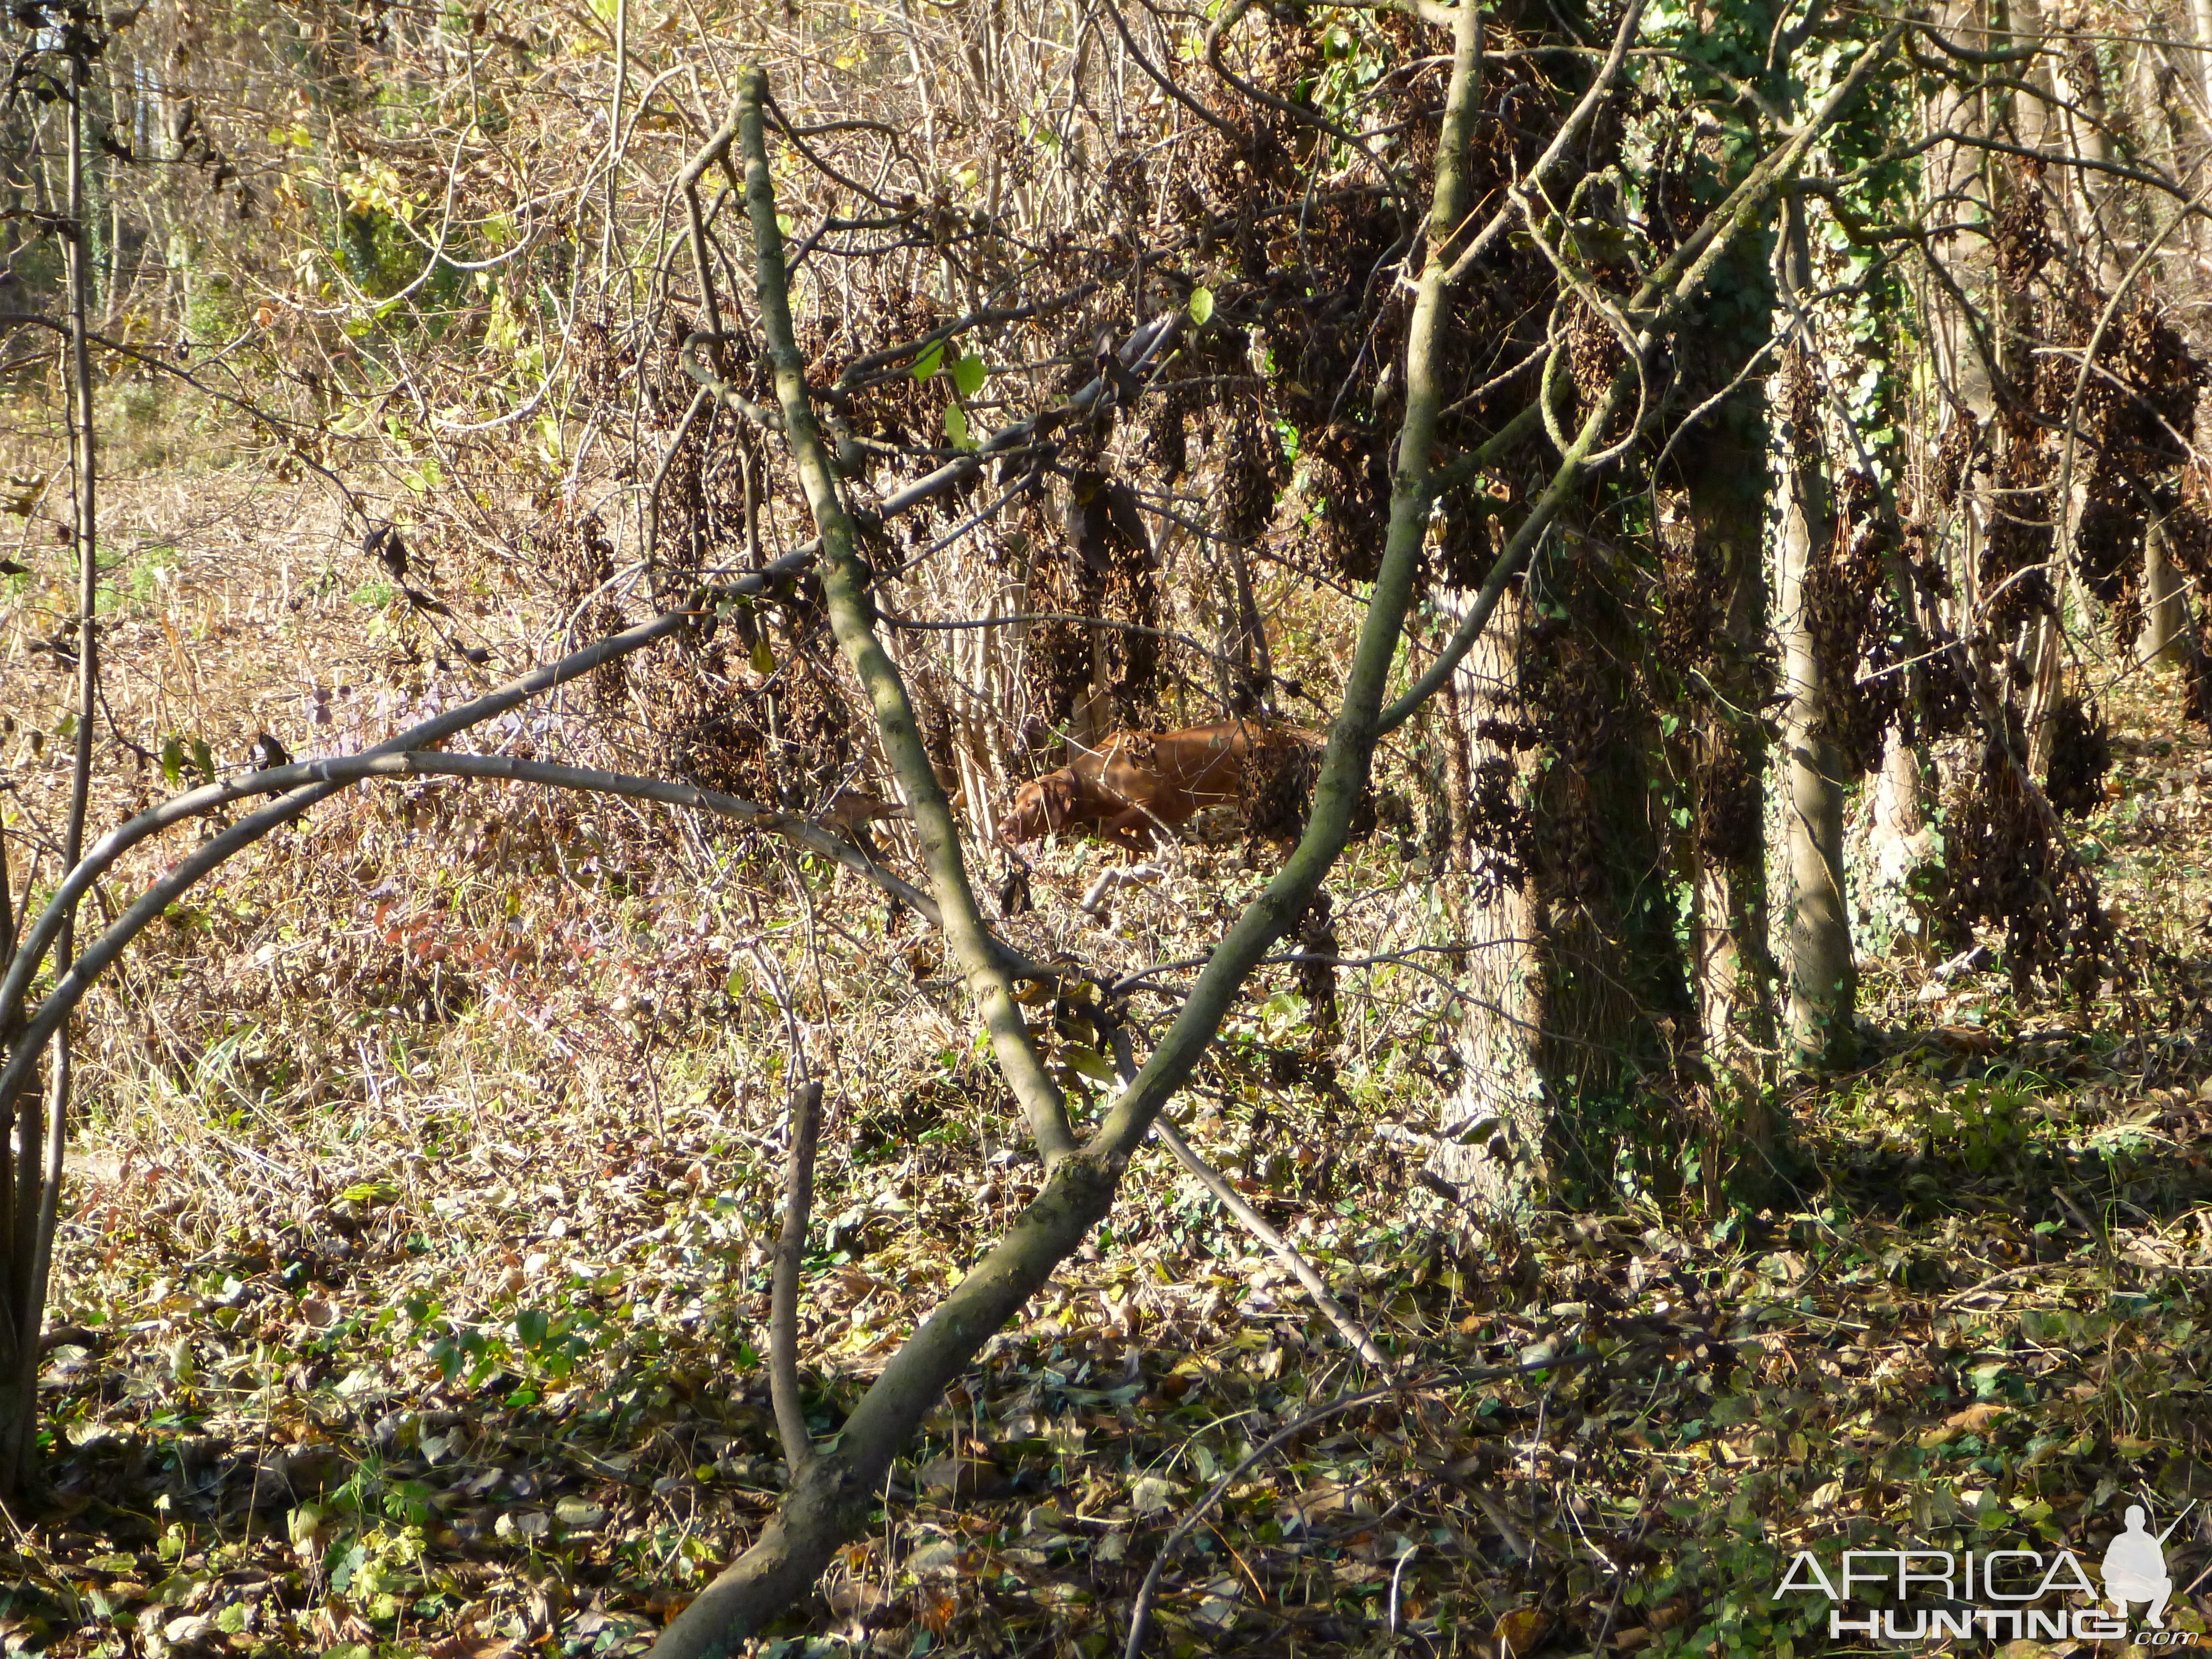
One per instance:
(1618, 1045)
(1714, 665)
(1732, 967)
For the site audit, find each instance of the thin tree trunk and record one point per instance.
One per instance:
(38, 1157)
(1823, 986)
(1457, 736)
(2042, 122)
(2165, 600)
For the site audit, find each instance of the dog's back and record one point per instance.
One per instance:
(1133, 781)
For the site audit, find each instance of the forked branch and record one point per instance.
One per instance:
(832, 1498)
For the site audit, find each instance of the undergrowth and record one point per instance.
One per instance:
(418, 1229)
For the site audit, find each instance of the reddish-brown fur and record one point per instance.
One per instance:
(1136, 782)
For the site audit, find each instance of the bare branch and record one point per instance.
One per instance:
(845, 583)
(790, 1255)
(1354, 1334)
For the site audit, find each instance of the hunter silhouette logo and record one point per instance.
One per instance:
(2135, 1568)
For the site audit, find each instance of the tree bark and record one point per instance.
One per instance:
(1732, 969)
(1823, 982)
(1493, 1145)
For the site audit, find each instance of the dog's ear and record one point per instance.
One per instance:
(1058, 792)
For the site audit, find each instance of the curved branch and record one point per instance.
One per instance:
(304, 785)
(1346, 764)
(246, 831)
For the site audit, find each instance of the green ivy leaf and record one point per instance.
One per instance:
(967, 375)
(955, 427)
(1201, 307)
(930, 360)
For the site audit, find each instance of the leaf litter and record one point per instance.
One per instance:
(417, 1244)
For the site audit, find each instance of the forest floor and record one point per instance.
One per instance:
(418, 1225)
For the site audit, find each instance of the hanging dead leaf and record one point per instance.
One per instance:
(934, 1609)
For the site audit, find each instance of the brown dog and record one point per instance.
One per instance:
(1135, 782)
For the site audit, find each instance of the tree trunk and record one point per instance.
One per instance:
(2165, 600)
(1494, 1128)
(1732, 966)
(38, 1146)
(1823, 985)
(1900, 844)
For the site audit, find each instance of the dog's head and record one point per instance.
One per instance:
(1041, 804)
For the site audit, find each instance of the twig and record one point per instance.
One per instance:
(1397, 1573)
(790, 1252)
(1655, 1487)
(1349, 1329)
(1354, 1334)
(2103, 1242)
(1992, 1282)
(1112, 878)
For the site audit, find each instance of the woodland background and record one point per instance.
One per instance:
(1736, 1059)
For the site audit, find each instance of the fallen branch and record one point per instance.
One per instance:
(1354, 1333)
